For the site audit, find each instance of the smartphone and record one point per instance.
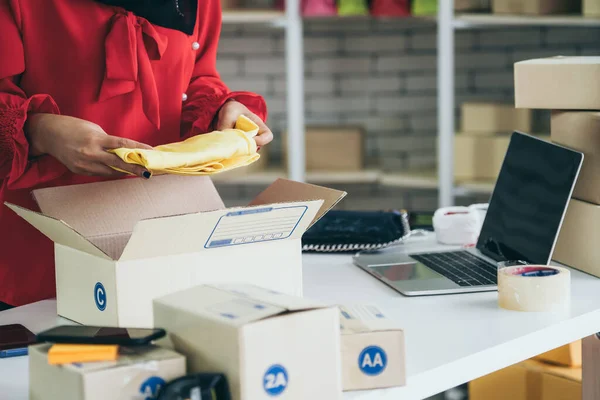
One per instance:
(79, 334)
(14, 340)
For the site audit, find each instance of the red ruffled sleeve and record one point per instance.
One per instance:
(17, 170)
(207, 92)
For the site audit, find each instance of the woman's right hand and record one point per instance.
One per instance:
(80, 145)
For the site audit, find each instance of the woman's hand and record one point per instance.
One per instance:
(229, 113)
(80, 145)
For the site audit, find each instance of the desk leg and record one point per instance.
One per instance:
(591, 368)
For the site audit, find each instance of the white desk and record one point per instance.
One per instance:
(450, 339)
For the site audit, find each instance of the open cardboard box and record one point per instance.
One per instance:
(120, 244)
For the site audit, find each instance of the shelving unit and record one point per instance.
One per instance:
(448, 22)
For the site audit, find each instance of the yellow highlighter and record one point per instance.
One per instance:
(79, 353)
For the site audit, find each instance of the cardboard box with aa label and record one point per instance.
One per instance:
(120, 244)
(373, 354)
(138, 374)
(267, 344)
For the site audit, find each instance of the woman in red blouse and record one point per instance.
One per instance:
(78, 77)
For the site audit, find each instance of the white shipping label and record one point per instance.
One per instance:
(255, 225)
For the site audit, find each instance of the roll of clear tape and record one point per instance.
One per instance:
(456, 225)
(534, 288)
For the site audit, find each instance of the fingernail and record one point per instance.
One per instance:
(146, 174)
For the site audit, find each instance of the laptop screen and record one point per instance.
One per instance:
(529, 201)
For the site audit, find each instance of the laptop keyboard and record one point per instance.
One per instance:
(461, 267)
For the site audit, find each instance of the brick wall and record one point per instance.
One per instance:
(382, 74)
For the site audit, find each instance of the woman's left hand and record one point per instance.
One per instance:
(229, 113)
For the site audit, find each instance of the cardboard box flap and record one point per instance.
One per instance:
(112, 208)
(283, 190)
(57, 231)
(235, 305)
(364, 318)
(217, 229)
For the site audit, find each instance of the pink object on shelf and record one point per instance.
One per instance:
(390, 8)
(313, 8)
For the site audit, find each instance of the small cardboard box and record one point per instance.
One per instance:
(373, 354)
(268, 344)
(139, 373)
(577, 244)
(580, 130)
(558, 83)
(529, 380)
(536, 7)
(567, 356)
(333, 148)
(120, 244)
(491, 118)
(591, 8)
(479, 157)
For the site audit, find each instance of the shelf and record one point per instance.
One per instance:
(269, 176)
(467, 21)
(254, 17)
(427, 180)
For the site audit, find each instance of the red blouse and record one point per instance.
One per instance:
(103, 64)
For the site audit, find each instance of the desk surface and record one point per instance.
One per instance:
(450, 339)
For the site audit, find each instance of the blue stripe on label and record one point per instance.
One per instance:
(217, 243)
(230, 316)
(247, 212)
(346, 315)
(380, 315)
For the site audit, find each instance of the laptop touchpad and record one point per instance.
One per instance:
(405, 272)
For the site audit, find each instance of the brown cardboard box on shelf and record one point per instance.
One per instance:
(479, 157)
(591, 8)
(566, 356)
(536, 7)
(580, 130)
(333, 148)
(373, 354)
(139, 373)
(529, 380)
(120, 244)
(577, 244)
(268, 344)
(491, 118)
(558, 83)
(471, 5)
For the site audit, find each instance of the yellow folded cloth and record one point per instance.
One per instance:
(205, 154)
(80, 353)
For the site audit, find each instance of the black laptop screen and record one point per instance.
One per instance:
(529, 200)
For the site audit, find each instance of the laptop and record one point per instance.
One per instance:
(522, 223)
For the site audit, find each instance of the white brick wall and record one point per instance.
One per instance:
(382, 75)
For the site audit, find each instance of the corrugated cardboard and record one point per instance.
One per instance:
(558, 83)
(492, 118)
(591, 8)
(266, 343)
(479, 157)
(580, 130)
(536, 7)
(120, 244)
(139, 373)
(529, 380)
(333, 148)
(577, 244)
(567, 356)
(373, 354)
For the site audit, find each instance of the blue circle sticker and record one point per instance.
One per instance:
(372, 360)
(275, 380)
(100, 296)
(151, 387)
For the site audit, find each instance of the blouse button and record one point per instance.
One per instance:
(184, 97)
(195, 46)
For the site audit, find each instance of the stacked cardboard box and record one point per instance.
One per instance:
(485, 133)
(529, 380)
(568, 86)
